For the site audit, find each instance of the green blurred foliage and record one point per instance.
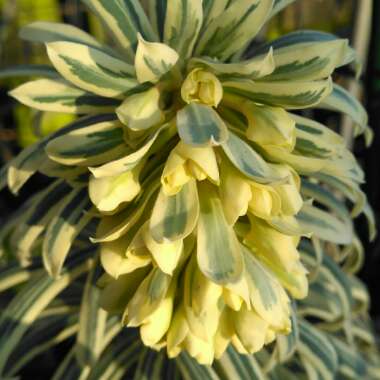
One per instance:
(327, 15)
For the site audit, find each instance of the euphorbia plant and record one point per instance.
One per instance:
(201, 180)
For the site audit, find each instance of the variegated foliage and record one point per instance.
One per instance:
(201, 178)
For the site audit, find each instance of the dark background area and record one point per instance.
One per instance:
(370, 159)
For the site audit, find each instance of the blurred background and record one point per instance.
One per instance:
(358, 20)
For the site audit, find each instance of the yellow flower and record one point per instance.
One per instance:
(108, 193)
(181, 338)
(185, 163)
(202, 87)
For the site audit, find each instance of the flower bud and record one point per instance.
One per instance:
(202, 87)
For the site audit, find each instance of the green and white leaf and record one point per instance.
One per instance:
(248, 162)
(150, 365)
(235, 366)
(183, 21)
(91, 145)
(118, 358)
(325, 300)
(325, 225)
(327, 199)
(254, 68)
(345, 166)
(371, 219)
(71, 368)
(200, 125)
(175, 217)
(234, 28)
(60, 96)
(54, 169)
(24, 166)
(24, 309)
(92, 321)
(71, 218)
(39, 214)
(316, 140)
(286, 345)
(18, 218)
(330, 297)
(211, 10)
(351, 363)
(190, 369)
(309, 60)
(340, 100)
(91, 69)
(129, 161)
(289, 95)
(44, 31)
(316, 348)
(298, 38)
(218, 250)
(124, 20)
(153, 60)
(12, 276)
(27, 162)
(43, 336)
(349, 189)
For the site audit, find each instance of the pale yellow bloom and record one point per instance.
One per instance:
(108, 193)
(202, 87)
(185, 163)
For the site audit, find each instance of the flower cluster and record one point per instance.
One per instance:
(192, 159)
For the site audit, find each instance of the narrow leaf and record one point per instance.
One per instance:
(60, 96)
(128, 162)
(92, 145)
(248, 162)
(124, 20)
(30, 301)
(235, 27)
(340, 100)
(254, 68)
(183, 21)
(44, 31)
(318, 350)
(92, 321)
(91, 69)
(288, 95)
(153, 60)
(309, 60)
(190, 369)
(71, 218)
(325, 225)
